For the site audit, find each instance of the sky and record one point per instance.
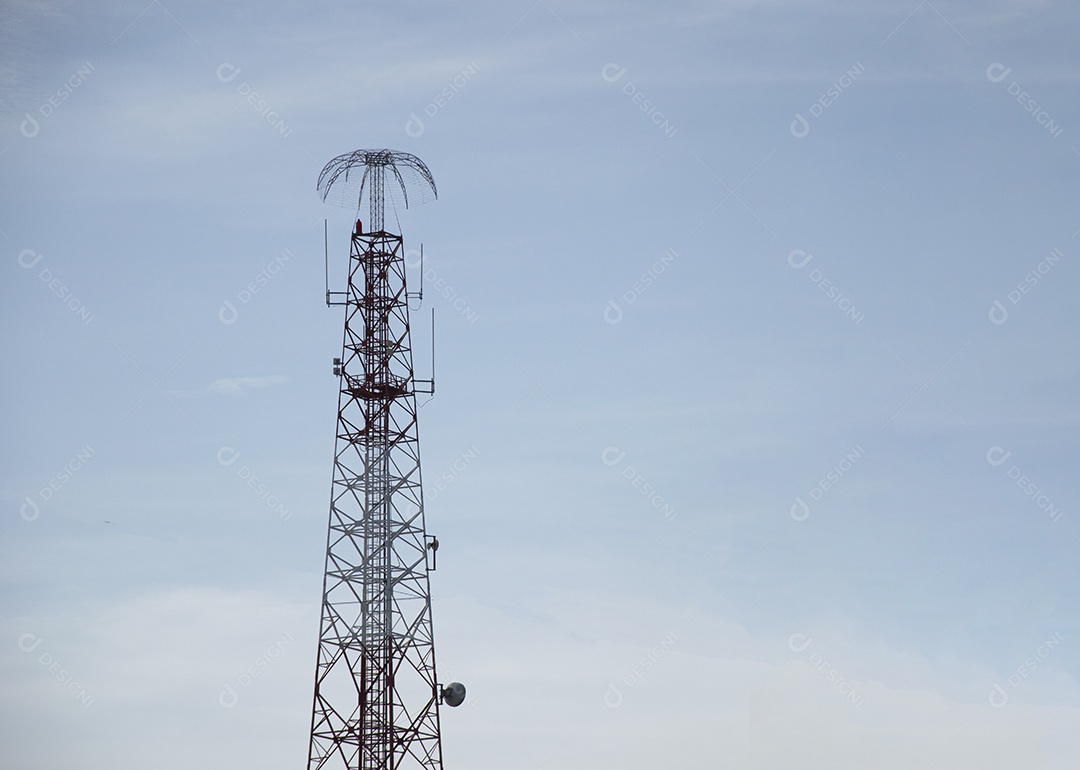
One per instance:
(755, 432)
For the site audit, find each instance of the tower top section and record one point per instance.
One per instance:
(344, 180)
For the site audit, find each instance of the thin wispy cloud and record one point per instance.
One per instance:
(239, 386)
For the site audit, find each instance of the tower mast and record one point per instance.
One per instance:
(377, 696)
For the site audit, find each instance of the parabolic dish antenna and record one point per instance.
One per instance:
(454, 694)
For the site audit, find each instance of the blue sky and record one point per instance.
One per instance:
(687, 261)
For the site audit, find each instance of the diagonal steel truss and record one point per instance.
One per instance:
(376, 701)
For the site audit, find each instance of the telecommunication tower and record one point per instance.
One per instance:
(377, 696)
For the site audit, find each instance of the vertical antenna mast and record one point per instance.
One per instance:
(377, 695)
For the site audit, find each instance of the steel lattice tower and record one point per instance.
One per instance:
(377, 696)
